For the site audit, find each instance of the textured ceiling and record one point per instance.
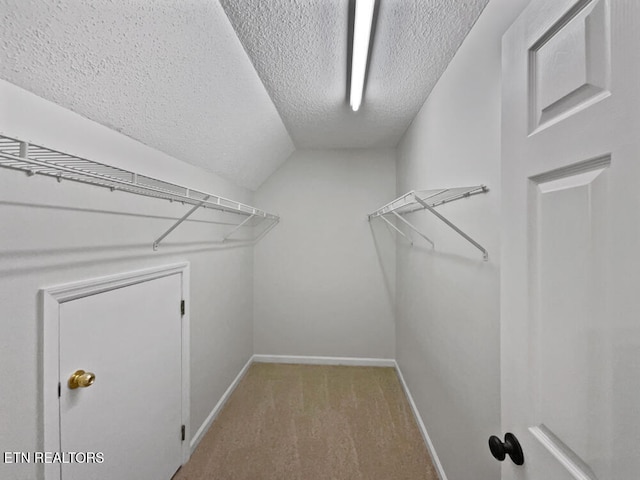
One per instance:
(299, 49)
(169, 73)
(174, 75)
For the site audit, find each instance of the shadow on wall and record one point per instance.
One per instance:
(382, 241)
(130, 237)
(379, 228)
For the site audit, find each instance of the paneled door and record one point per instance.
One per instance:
(570, 298)
(124, 346)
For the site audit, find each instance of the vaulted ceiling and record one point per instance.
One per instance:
(299, 49)
(233, 88)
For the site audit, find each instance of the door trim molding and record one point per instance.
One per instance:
(51, 298)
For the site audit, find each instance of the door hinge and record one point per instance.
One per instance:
(183, 431)
(59, 389)
(182, 307)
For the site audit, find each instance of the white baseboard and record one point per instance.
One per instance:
(421, 426)
(216, 410)
(308, 360)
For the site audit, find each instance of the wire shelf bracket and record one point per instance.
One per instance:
(416, 200)
(34, 159)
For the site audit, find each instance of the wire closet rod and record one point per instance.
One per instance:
(34, 159)
(416, 200)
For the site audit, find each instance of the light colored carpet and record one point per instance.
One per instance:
(309, 422)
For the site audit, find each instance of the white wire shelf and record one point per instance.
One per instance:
(416, 200)
(33, 159)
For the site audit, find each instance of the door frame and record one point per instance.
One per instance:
(51, 298)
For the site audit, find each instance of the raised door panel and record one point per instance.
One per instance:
(569, 64)
(568, 297)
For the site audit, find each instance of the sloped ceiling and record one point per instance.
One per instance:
(299, 49)
(171, 74)
(175, 75)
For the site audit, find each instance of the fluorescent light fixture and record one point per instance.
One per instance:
(360, 50)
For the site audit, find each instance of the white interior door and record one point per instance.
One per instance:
(571, 245)
(130, 338)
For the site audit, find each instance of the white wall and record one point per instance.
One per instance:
(325, 277)
(448, 316)
(54, 233)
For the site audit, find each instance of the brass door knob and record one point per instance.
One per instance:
(81, 379)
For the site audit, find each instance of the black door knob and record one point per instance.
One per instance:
(510, 447)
